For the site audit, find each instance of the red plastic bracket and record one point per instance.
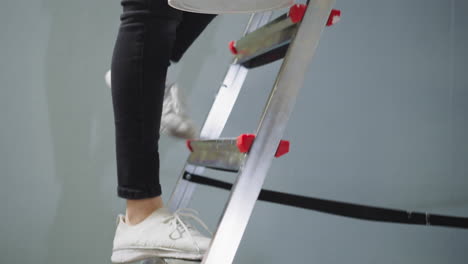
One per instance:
(232, 47)
(334, 17)
(296, 12)
(245, 141)
(189, 145)
(283, 148)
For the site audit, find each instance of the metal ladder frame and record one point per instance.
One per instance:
(273, 123)
(217, 116)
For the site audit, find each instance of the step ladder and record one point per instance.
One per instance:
(293, 37)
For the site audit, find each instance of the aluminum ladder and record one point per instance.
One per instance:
(293, 37)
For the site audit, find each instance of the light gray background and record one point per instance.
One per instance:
(383, 120)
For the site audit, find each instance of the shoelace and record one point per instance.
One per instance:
(189, 213)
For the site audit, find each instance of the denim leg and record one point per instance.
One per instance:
(139, 65)
(190, 28)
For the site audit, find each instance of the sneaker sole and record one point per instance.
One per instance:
(132, 255)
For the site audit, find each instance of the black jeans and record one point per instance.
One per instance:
(151, 35)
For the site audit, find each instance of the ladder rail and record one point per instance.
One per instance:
(217, 116)
(269, 133)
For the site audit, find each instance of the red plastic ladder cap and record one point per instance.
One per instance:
(232, 47)
(244, 142)
(296, 12)
(283, 148)
(189, 145)
(334, 17)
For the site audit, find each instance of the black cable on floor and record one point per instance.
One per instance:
(345, 209)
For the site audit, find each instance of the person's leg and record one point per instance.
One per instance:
(190, 28)
(149, 32)
(139, 66)
(175, 119)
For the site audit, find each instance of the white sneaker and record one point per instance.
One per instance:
(161, 235)
(107, 78)
(174, 120)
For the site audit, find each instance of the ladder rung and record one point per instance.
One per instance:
(271, 42)
(273, 35)
(226, 154)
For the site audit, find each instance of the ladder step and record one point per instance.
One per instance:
(226, 154)
(271, 42)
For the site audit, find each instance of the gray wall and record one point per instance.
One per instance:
(382, 120)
